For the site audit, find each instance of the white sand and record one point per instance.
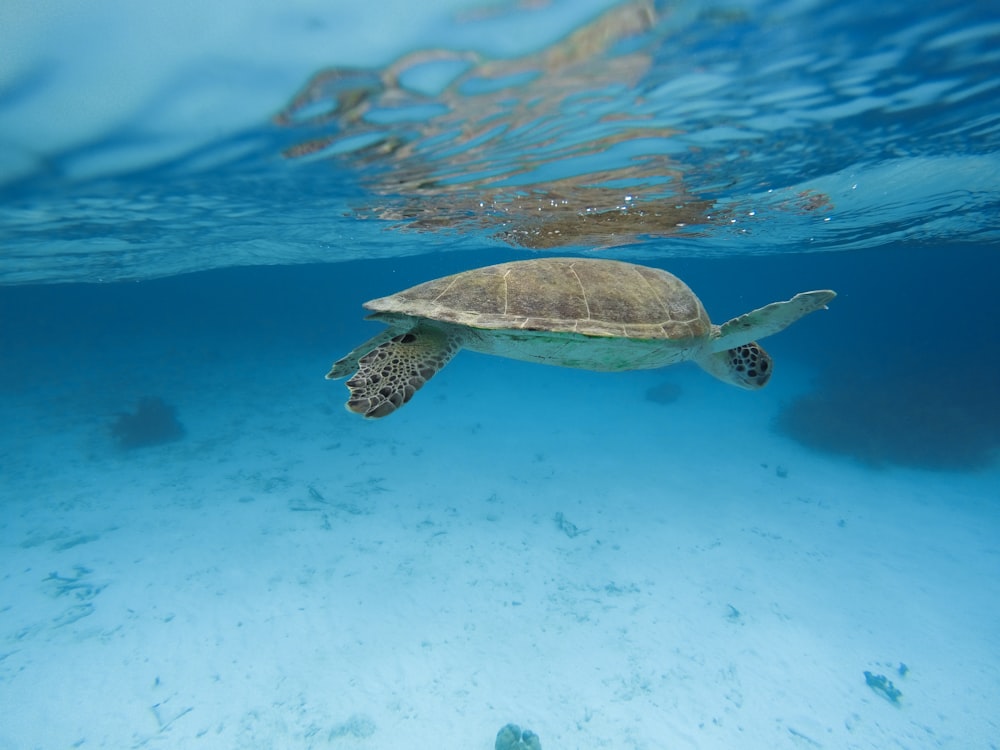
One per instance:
(291, 576)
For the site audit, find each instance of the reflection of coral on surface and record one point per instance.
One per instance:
(919, 418)
(153, 422)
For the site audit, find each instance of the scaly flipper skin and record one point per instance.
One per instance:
(750, 365)
(389, 374)
(746, 366)
(349, 362)
(768, 320)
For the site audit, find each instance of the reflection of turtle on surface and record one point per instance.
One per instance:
(574, 312)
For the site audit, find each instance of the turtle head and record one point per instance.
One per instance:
(746, 366)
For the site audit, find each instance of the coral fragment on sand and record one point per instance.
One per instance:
(883, 686)
(511, 737)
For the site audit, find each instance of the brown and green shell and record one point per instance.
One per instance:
(558, 295)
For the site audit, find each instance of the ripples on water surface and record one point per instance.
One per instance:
(673, 129)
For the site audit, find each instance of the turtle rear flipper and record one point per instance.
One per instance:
(394, 370)
(348, 364)
(768, 320)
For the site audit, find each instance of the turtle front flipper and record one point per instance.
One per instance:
(768, 320)
(390, 373)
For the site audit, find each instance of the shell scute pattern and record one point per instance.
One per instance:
(579, 295)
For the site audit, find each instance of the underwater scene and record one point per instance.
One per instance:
(483, 375)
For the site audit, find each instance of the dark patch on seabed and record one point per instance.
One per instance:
(664, 393)
(153, 422)
(933, 418)
(911, 377)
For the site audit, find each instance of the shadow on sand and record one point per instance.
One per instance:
(920, 417)
(153, 422)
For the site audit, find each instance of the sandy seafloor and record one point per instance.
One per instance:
(289, 575)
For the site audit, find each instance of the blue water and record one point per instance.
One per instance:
(202, 548)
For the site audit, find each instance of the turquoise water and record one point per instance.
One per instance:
(202, 547)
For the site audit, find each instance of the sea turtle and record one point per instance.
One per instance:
(588, 313)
